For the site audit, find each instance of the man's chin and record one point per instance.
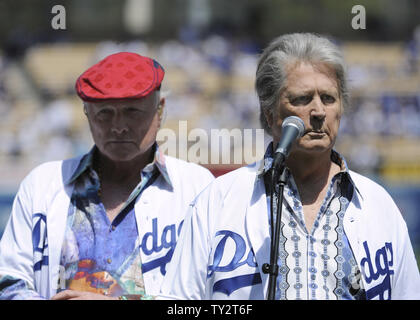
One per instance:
(314, 147)
(121, 154)
(125, 154)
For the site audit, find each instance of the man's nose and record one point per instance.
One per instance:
(119, 124)
(317, 109)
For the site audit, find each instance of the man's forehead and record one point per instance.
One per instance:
(305, 78)
(304, 90)
(144, 101)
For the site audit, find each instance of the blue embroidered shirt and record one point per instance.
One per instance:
(317, 263)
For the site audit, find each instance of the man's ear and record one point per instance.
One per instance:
(268, 114)
(161, 107)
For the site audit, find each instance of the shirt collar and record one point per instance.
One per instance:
(84, 164)
(158, 163)
(344, 169)
(336, 157)
(266, 164)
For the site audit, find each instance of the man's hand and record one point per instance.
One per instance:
(80, 295)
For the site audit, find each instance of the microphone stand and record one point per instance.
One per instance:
(278, 174)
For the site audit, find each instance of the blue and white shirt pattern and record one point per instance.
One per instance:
(318, 263)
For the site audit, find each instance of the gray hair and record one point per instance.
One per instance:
(283, 52)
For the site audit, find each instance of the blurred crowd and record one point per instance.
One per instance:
(210, 83)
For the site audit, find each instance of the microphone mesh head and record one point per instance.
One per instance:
(295, 122)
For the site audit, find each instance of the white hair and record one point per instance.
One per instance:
(287, 50)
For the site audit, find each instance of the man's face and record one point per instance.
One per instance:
(312, 94)
(125, 129)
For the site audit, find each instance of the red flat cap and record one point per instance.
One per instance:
(123, 75)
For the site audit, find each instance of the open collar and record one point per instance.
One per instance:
(159, 163)
(336, 157)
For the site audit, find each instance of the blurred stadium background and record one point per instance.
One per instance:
(209, 50)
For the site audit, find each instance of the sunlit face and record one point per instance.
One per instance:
(125, 129)
(312, 94)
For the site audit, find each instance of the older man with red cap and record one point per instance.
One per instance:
(103, 225)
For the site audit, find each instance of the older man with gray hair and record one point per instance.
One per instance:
(341, 236)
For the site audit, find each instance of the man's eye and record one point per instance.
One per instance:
(327, 99)
(134, 113)
(104, 113)
(301, 100)
(133, 110)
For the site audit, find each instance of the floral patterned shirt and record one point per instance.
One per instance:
(98, 255)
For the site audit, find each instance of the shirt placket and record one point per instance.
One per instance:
(299, 232)
(295, 229)
(319, 242)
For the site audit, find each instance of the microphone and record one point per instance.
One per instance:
(292, 128)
